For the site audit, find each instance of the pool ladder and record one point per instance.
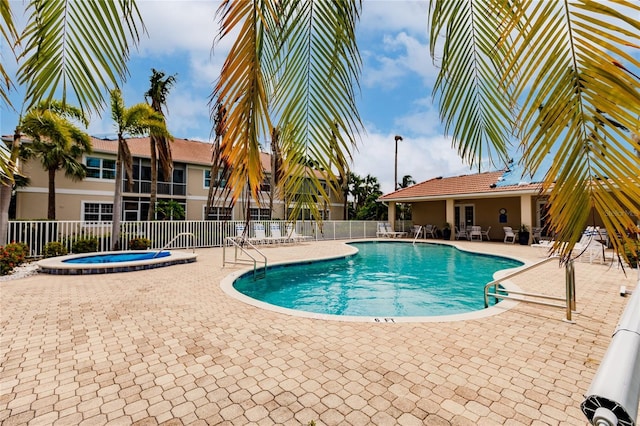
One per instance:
(570, 290)
(182, 234)
(239, 245)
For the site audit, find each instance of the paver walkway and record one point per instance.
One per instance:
(169, 346)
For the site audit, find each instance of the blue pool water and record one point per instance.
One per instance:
(118, 257)
(390, 279)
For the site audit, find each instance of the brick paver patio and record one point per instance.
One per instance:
(168, 346)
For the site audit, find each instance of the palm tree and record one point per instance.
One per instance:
(57, 59)
(407, 181)
(159, 147)
(405, 209)
(57, 143)
(137, 120)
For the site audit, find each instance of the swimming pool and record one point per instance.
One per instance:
(112, 262)
(383, 280)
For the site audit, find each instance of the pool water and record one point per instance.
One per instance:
(118, 257)
(390, 279)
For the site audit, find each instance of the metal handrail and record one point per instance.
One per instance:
(193, 237)
(237, 246)
(418, 233)
(569, 299)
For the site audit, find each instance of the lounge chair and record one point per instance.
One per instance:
(293, 236)
(486, 234)
(509, 234)
(260, 235)
(392, 233)
(588, 246)
(276, 234)
(475, 233)
(382, 230)
(240, 232)
(416, 231)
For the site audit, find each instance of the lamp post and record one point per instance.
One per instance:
(395, 173)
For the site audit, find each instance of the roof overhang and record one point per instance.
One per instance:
(531, 190)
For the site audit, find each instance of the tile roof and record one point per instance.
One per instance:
(442, 187)
(182, 150)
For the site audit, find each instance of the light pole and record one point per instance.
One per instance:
(395, 172)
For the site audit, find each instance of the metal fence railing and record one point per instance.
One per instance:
(209, 233)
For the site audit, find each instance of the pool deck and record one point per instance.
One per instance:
(168, 346)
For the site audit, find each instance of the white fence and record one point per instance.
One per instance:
(207, 233)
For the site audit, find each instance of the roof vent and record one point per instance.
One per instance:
(439, 177)
(493, 185)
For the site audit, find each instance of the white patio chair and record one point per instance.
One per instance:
(486, 234)
(509, 234)
(461, 233)
(430, 230)
(475, 233)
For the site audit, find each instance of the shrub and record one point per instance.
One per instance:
(54, 248)
(85, 245)
(632, 255)
(12, 255)
(139, 243)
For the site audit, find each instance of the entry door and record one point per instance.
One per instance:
(465, 215)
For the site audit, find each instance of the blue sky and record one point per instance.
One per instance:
(396, 83)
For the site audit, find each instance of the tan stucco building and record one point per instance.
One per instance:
(92, 198)
(482, 199)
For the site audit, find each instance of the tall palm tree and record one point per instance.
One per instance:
(138, 120)
(57, 143)
(160, 145)
(57, 58)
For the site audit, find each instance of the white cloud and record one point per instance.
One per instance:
(178, 25)
(394, 16)
(421, 157)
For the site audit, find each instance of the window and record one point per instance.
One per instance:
(265, 186)
(207, 179)
(218, 213)
(97, 212)
(101, 168)
(260, 214)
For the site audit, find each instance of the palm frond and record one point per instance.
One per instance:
(578, 100)
(475, 106)
(10, 35)
(315, 99)
(242, 92)
(82, 46)
(297, 61)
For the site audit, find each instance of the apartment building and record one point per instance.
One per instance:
(92, 198)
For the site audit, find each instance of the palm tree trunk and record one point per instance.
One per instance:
(5, 200)
(117, 199)
(153, 194)
(7, 189)
(51, 210)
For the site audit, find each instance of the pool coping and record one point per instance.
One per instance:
(57, 265)
(226, 285)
